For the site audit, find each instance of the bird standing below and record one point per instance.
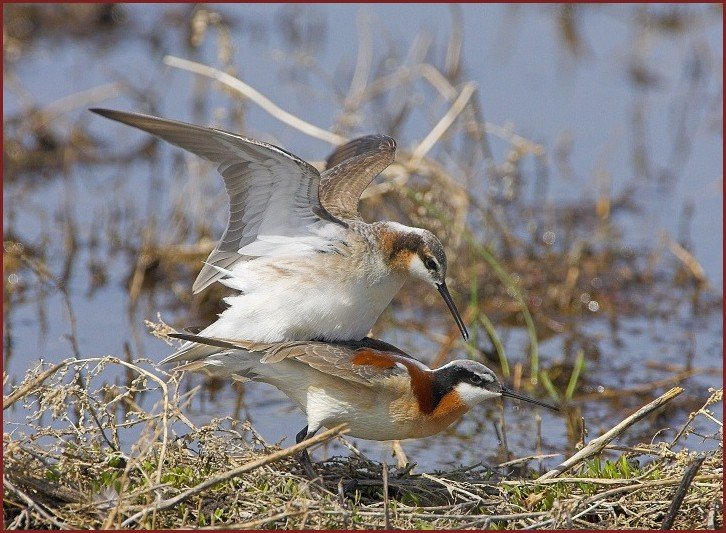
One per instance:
(380, 392)
(304, 262)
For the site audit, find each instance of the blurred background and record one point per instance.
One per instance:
(569, 157)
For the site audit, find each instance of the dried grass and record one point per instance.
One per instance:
(90, 456)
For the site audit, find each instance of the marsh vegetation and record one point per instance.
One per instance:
(594, 283)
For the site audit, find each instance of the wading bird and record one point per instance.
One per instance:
(380, 392)
(296, 248)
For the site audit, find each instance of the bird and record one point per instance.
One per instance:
(304, 262)
(377, 390)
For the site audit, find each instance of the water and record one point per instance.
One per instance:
(625, 99)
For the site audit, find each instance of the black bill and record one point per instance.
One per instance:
(511, 394)
(454, 311)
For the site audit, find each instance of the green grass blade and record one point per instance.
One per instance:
(547, 382)
(498, 346)
(484, 253)
(576, 370)
(510, 283)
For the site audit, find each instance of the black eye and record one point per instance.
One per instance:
(475, 379)
(430, 264)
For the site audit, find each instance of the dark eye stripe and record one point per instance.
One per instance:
(478, 378)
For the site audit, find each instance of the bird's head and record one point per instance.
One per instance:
(419, 253)
(474, 383)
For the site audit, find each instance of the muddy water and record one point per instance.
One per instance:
(624, 100)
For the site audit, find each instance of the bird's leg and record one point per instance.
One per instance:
(304, 456)
(350, 485)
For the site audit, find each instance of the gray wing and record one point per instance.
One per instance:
(271, 192)
(350, 169)
(364, 362)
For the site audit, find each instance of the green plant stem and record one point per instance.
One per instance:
(547, 382)
(576, 370)
(498, 346)
(511, 284)
(503, 276)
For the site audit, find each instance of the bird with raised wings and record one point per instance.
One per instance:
(305, 263)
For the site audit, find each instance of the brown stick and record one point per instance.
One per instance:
(230, 474)
(386, 512)
(401, 459)
(33, 505)
(257, 97)
(30, 386)
(681, 492)
(467, 91)
(596, 445)
(617, 490)
(254, 524)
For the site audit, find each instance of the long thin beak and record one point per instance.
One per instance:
(444, 291)
(511, 394)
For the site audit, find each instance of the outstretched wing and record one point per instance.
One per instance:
(364, 362)
(350, 169)
(273, 195)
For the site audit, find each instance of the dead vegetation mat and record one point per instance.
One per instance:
(106, 444)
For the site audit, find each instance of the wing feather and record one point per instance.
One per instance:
(350, 169)
(271, 191)
(336, 359)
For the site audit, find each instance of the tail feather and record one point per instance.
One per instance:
(215, 357)
(198, 347)
(190, 352)
(209, 274)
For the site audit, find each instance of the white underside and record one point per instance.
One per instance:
(315, 296)
(368, 412)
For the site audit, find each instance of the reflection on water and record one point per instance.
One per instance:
(588, 162)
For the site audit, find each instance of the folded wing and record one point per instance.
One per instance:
(364, 362)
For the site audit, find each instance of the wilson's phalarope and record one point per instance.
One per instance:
(380, 392)
(307, 266)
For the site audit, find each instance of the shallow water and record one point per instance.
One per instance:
(622, 98)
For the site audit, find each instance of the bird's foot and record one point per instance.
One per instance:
(307, 464)
(349, 486)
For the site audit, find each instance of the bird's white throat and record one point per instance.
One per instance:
(472, 395)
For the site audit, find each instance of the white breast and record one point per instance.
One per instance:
(366, 414)
(315, 296)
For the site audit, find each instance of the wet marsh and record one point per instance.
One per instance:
(568, 157)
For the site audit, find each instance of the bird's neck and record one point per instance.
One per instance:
(443, 383)
(397, 244)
